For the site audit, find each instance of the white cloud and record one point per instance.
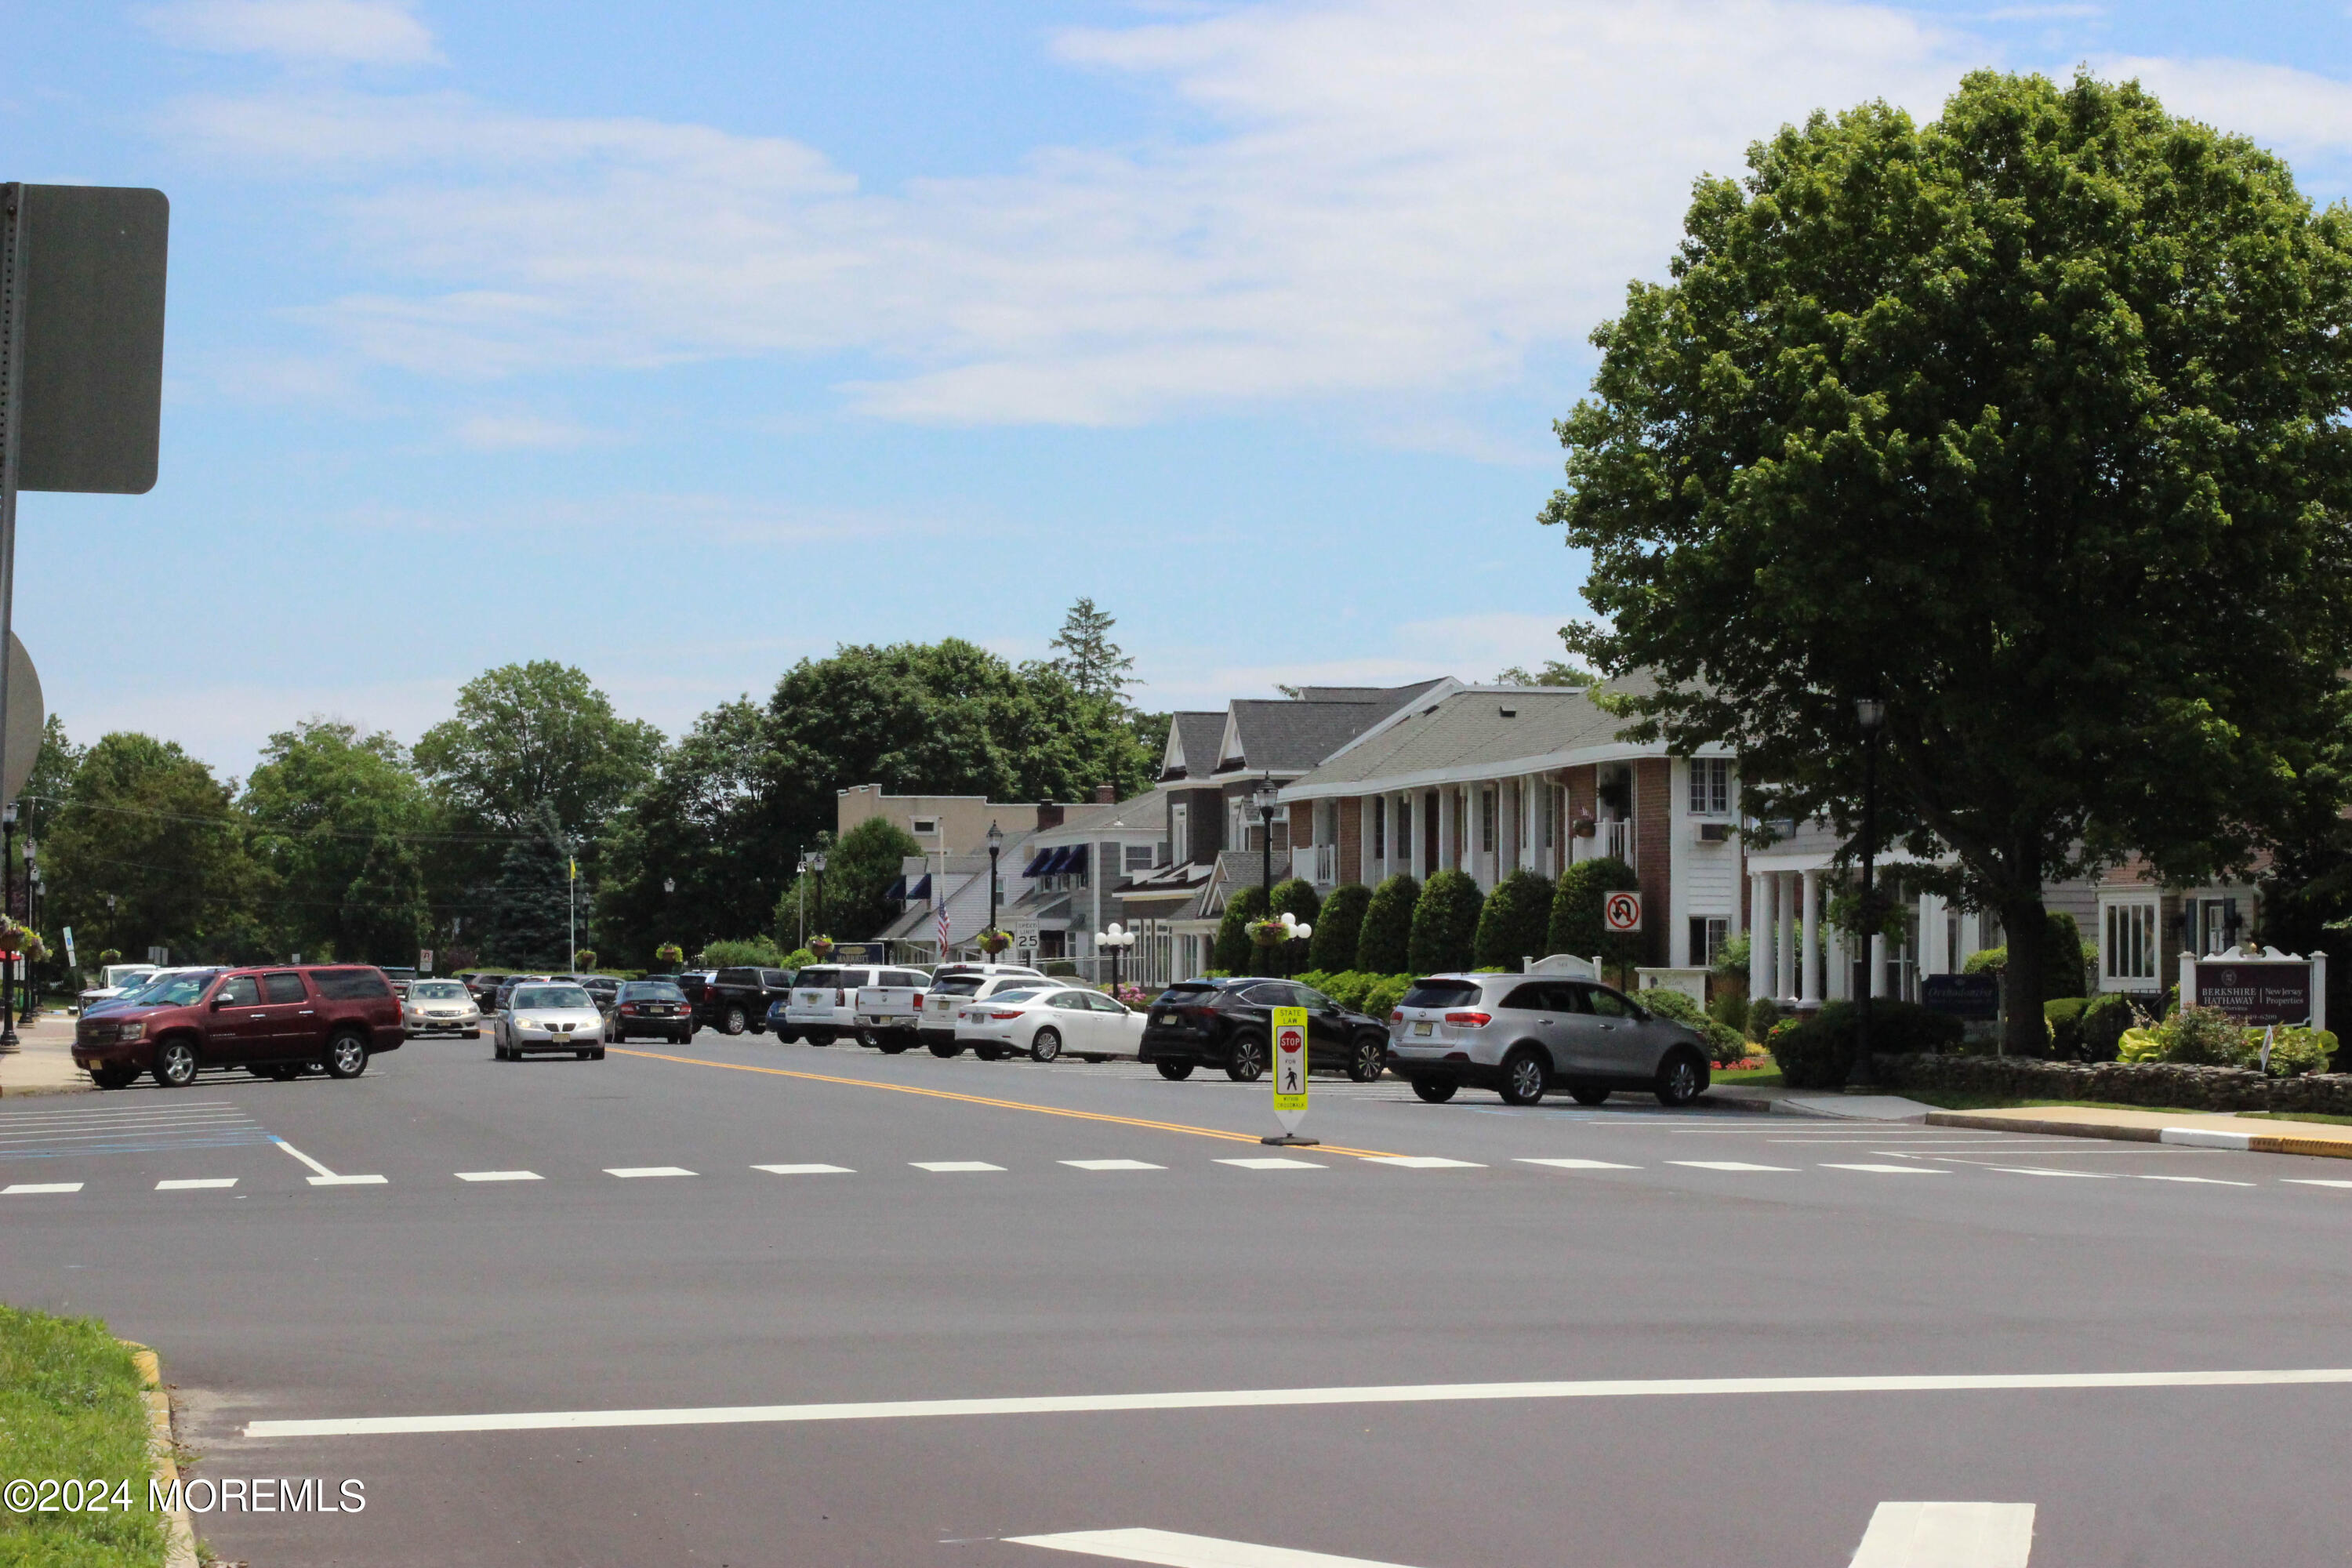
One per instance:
(522, 433)
(343, 32)
(2294, 111)
(1395, 200)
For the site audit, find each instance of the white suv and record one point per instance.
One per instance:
(823, 1004)
(1521, 1033)
(953, 986)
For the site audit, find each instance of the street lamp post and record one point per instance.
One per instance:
(995, 847)
(31, 915)
(8, 1041)
(1266, 799)
(1115, 941)
(816, 867)
(1870, 715)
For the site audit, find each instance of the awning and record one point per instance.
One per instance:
(1059, 863)
(898, 892)
(1077, 866)
(1038, 866)
(921, 893)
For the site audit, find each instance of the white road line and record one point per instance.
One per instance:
(2086, 1175)
(1269, 1398)
(1889, 1170)
(1948, 1535)
(499, 1176)
(195, 1183)
(1170, 1550)
(326, 1178)
(630, 1173)
(952, 1167)
(1728, 1165)
(2313, 1181)
(1579, 1164)
(806, 1170)
(1423, 1162)
(2200, 1181)
(1272, 1163)
(27, 1189)
(1112, 1165)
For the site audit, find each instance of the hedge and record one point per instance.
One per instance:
(1446, 923)
(1385, 945)
(2168, 1084)
(1332, 948)
(1725, 1045)
(1818, 1052)
(1514, 921)
(1579, 924)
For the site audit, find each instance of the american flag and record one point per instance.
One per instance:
(943, 930)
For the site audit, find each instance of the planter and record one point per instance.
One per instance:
(821, 946)
(993, 942)
(1269, 933)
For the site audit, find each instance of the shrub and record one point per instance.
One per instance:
(1332, 948)
(1578, 923)
(800, 958)
(740, 951)
(1823, 1045)
(1444, 924)
(2294, 1050)
(1729, 1008)
(1514, 921)
(2104, 1019)
(1762, 1013)
(1295, 897)
(1384, 992)
(2138, 1044)
(1385, 945)
(1806, 1053)
(2201, 1037)
(1731, 960)
(2065, 1017)
(1235, 953)
(1724, 1043)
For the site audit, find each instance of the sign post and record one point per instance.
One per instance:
(71, 962)
(425, 961)
(1289, 1074)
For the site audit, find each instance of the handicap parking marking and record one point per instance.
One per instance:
(953, 1167)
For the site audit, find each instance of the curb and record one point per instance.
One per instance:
(179, 1530)
(2193, 1137)
(1731, 1102)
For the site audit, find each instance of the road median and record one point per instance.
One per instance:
(2320, 1139)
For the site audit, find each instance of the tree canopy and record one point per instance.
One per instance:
(533, 738)
(2027, 422)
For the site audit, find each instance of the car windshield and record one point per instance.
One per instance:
(550, 996)
(1439, 994)
(437, 991)
(1192, 994)
(957, 986)
(173, 990)
(818, 979)
(651, 991)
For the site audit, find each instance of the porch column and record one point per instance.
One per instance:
(1759, 935)
(1877, 964)
(1839, 987)
(1784, 951)
(1809, 984)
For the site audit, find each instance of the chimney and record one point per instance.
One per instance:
(1105, 795)
(1049, 815)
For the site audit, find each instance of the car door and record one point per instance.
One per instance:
(1619, 1038)
(1326, 1028)
(289, 1019)
(1067, 1012)
(234, 1022)
(1533, 1009)
(1575, 1030)
(1118, 1029)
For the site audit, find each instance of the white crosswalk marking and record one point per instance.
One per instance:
(1170, 1549)
(1890, 1169)
(1948, 1535)
(347, 1180)
(1423, 1162)
(194, 1184)
(952, 1167)
(2087, 1175)
(1580, 1165)
(630, 1173)
(806, 1170)
(2200, 1181)
(1728, 1165)
(1273, 1164)
(499, 1176)
(2313, 1181)
(26, 1189)
(1112, 1165)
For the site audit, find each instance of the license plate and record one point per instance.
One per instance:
(1424, 1028)
(1165, 1018)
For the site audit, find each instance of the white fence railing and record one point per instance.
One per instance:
(1617, 838)
(1319, 863)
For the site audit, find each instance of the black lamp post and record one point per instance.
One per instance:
(816, 867)
(1870, 714)
(32, 917)
(995, 847)
(8, 1041)
(1266, 799)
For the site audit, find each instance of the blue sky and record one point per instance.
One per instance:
(681, 340)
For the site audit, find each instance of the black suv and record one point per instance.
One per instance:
(735, 1000)
(1228, 1022)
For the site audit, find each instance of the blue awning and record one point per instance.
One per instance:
(921, 893)
(1077, 866)
(1038, 866)
(898, 892)
(1059, 863)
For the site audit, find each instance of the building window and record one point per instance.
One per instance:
(1485, 822)
(1710, 786)
(1138, 858)
(1404, 827)
(1708, 935)
(2130, 942)
(1180, 831)
(1380, 827)
(927, 827)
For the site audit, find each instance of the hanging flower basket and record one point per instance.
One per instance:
(1584, 827)
(1268, 933)
(821, 946)
(992, 941)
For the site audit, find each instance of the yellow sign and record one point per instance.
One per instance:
(1290, 1067)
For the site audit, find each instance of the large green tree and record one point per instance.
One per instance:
(149, 827)
(536, 738)
(700, 853)
(340, 820)
(2029, 422)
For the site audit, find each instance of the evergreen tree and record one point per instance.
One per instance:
(1089, 660)
(1446, 923)
(1514, 921)
(530, 910)
(1385, 946)
(1580, 923)
(383, 910)
(1332, 948)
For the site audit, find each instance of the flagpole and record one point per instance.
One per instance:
(571, 908)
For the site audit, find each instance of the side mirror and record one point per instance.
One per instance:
(220, 1002)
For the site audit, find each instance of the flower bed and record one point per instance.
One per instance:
(2161, 1084)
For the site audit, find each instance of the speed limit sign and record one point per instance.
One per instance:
(1622, 912)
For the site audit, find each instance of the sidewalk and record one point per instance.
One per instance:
(44, 1066)
(2209, 1130)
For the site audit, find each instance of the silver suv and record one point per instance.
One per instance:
(1521, 1033)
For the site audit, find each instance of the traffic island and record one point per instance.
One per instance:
(75, 1420)
(44, 1064)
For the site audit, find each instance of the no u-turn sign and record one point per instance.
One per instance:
(1622, 912)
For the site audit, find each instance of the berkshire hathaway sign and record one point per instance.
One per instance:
(2256, 993)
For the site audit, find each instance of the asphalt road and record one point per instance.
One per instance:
(1888, 1253)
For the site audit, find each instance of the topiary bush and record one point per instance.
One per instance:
(2104, 1019)
(1385, 945)
(1234, 953)
(1762, 1013)
(1514, 922)
(1578, 923)
(1446, 923)
(1725, 1045)
(1295, 897)
(1807, 1054)
(1332, 948)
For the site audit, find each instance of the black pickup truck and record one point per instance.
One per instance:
(734, 1000)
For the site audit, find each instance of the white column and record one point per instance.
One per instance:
(1934, 951)
(1877, 964)
(1809, 985)
(1840, 979)
(1759, 935)
(1784, 950)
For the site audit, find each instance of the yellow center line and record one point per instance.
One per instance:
(1000, 1104)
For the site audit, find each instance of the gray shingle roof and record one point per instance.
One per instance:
(1292, 735)
(1470, 728)
(1198, 736)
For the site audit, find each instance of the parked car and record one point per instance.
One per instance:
(740, 997)
(547, 1015)
(440, 1008)
(1521, 1035)
(119, 979)
(696, 983)
(887, 1012)
(1045, 1021)
(130, 993)
(823, 1004)
(272, 1022)
(485, 989)
(1228, 1022)
(601, 988)
(953, 985)
(507, 984)
(655, 1007)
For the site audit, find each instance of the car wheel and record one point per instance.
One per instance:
(1092, 1056)
(1523, 1076)
(1044, 1044)
(347, 1056)
(597, 1055)
(943, 1049)
(1369, 1059)
(1247, 1064)
(989, 1053)
(618, 1038)
(175, 1064)
(1682, 1078)
(1589, 1093)
(684, 1037)
(1174, 1072)
(734, 1023)
(473, 1034)
(286, 1072)
(582, 1056)
(891, 1044)
(114, 1077)
(1436, 1090)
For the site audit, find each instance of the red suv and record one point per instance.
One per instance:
(271, 1022)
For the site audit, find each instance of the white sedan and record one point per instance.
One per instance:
(440, 1008)
(1046, 1023)
(548, 1017)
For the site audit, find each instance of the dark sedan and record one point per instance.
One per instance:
(655, 1007)
(1228, 1022)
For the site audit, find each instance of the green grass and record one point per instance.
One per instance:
(1763, 1077)
(1956, 1100)
(69, 1406)
(2297, 1116)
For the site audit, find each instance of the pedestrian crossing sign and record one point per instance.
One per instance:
(1290, 1066)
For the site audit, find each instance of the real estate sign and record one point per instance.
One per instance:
(1976, 997)
(2256, 991)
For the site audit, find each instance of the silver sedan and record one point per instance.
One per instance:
(548, 1017)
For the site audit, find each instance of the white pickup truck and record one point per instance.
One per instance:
(954, 984)
(889, 1010)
